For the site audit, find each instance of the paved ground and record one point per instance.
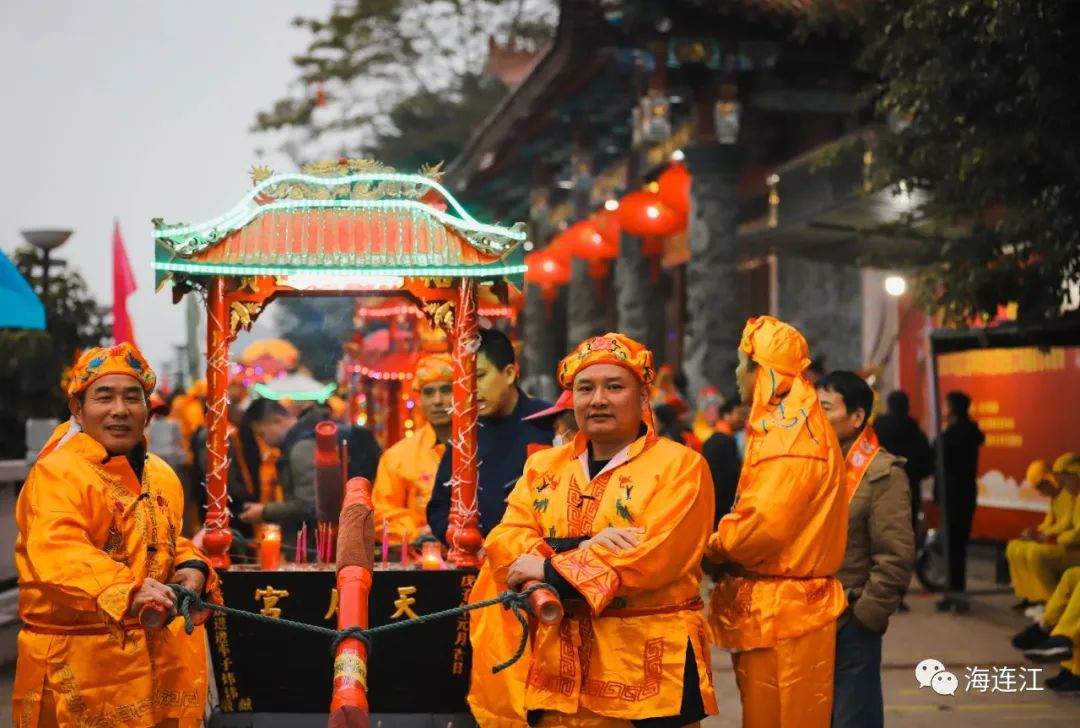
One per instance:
(979, 639)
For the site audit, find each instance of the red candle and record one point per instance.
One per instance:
(270, 547)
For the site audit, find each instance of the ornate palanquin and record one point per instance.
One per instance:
(344, 227)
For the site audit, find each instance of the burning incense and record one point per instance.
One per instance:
(385, 542)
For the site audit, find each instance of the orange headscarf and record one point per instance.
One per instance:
(785, 405)
(608, 349)
(433, 368)
(101, 361)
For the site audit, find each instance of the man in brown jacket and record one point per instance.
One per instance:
(880, 550)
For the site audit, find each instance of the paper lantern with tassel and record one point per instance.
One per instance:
(674, 188)
(644, 214)
(607, 224)
(586, 242)
(547, 272)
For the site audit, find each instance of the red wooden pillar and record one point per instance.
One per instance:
(464, 531)
(218, 536)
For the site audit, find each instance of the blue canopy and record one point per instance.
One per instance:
(20, 308)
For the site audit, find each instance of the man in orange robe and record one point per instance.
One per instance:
(99, 521)
(777, 600)
(406, 474)
(616, 520)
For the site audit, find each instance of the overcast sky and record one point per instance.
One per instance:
(131, 110)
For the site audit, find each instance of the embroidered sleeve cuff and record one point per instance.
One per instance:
(592, 578)
(115, 600)
(565, 589)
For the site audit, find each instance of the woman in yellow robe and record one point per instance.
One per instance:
(777, 601)
(621, 533)
(1057, 521)
(96, 543)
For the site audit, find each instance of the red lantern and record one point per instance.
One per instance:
(675, 188)
(607, 224)
(548, 272)
(560, 249)
(644, 214)
(586, 242)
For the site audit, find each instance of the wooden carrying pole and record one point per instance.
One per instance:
(355, 562)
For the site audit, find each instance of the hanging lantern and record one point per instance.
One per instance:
(559, 249)
(606, 222)
(644, 214)
(547, 272)
(675, 188)
(586, 242)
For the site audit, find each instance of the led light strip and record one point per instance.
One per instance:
(243, 210)
(468, 271)
(315, 396)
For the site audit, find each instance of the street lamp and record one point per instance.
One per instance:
(895, 285)
(46, 241)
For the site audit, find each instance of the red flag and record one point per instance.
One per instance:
(123, 286)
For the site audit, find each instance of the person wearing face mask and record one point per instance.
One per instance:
(503, 440)
(407, 469)
(99, 521)
(560, 416)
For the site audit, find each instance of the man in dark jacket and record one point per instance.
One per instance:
(960, 441)
(721, 452)
(880, 550)
(502, 438)
(899, 433)
(295, 438)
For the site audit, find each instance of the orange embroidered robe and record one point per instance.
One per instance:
(89, 533)
(404, 482)
(622, 653)
(783, 541)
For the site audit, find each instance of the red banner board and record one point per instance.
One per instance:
(1025, 401)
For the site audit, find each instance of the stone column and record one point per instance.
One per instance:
(713, 323)
(823, 300)
(639, 302)
(544, 338)
(586, 313)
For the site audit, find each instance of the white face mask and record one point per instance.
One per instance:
(557, 441)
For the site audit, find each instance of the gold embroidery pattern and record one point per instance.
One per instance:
(29, 701)
(703, 644)
(69, 692)
(653, 668)
(113, 602)
(736, 598)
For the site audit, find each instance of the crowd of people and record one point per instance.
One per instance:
(802, 511)
(1044, 566)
